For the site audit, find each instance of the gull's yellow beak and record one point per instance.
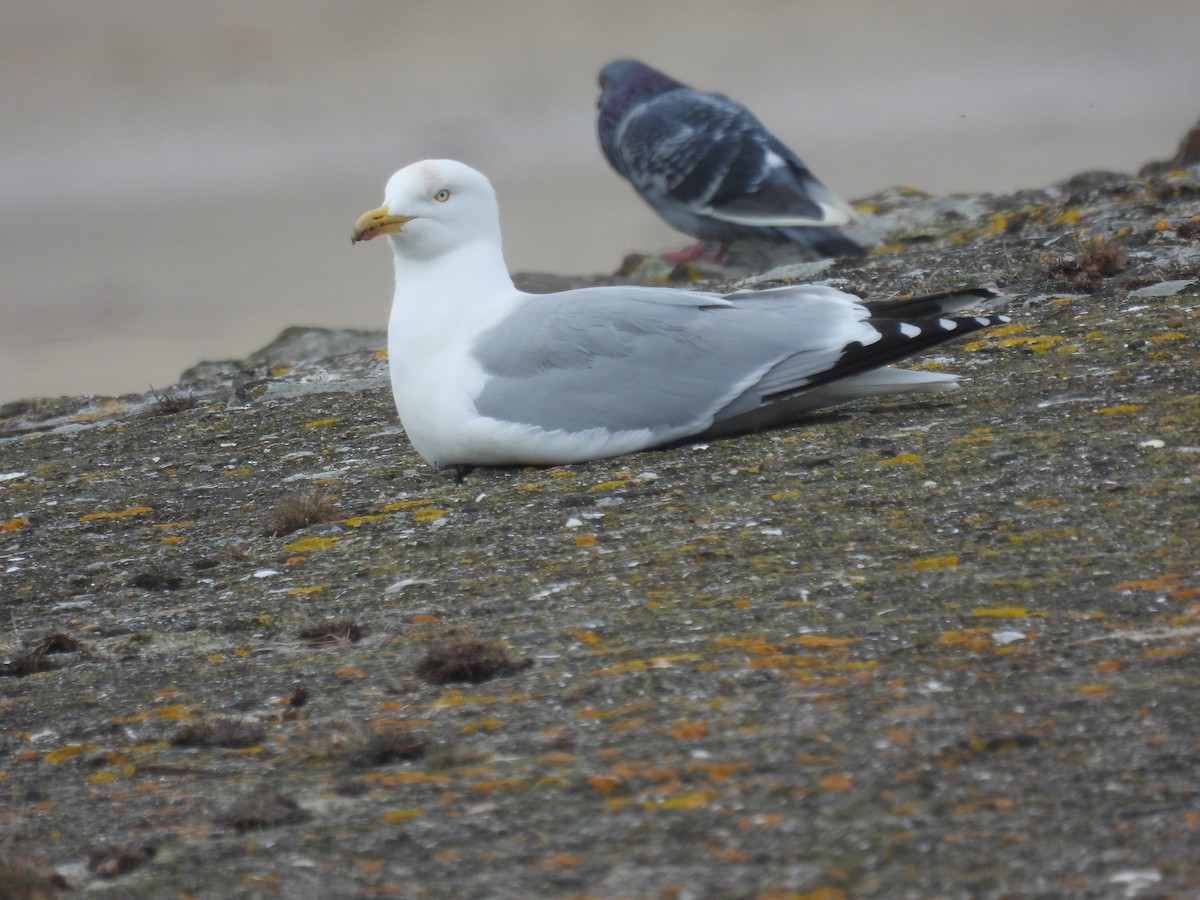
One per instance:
(376, 222)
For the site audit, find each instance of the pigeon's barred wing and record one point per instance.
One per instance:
(710, 155)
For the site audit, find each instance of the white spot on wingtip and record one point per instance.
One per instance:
(909, 331)
(947, 324)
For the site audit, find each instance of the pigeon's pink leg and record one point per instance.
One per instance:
(697, 252)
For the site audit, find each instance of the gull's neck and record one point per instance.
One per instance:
(445, 299)
(474, 266)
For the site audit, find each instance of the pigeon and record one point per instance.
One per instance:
(485, 374)
(708, 167)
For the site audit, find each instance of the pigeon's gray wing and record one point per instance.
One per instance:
(707, 155)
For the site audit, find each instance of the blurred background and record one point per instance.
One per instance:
(178, 179)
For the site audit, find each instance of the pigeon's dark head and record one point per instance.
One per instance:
(623, 84)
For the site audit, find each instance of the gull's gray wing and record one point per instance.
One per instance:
(676, 363)
(667, 361)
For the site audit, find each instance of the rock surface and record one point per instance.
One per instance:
(920, 648)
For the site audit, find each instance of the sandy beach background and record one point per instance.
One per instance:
(178, 180)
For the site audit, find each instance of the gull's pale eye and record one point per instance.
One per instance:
(442, 196)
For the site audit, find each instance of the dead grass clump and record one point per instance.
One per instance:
(1099, 259)
(22, 662)
(21, 880)
(56, 643)
(225, 732)
(311, 506)
(262, 809)
(117, 859)
(157, 577)
(334, 631)
(170, 404)
(467, 659)
(381, 746)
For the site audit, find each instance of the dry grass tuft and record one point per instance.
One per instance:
(468, 659)
(311, 506)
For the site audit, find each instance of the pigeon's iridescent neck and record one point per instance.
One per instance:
(624, 84)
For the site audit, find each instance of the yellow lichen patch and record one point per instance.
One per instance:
(66, 751)
(935, 562)
(822, 640)
(313, 542)
(755, 644)
(317, 423)
(1012, 328)
(686, 800)
(783, 495)
(560, 472)
(900, 459)
(1094, 689)
(120, 514)
(687, 729)
(610, 484)
(489, 724)
(1118, 408)
(585, 540)
(838, 781)
(174, 712)
(633, 665)
(1004, 611)
(978, 439)
(429, 513)
(403, 504)
(971, 638)
(239, 470)
(307, 589)
(281, 370)
(588, 637)
(350, 672)
(109, 409)
(490, 784)
(1069, 217)
(1157, 583)
(997, 223)
(102, 777)
(13, 524)
(1169, 336)
(399, 815)
(379, 354)
(355, 521)
(1038, 343)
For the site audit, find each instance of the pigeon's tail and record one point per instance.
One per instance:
(825, 242)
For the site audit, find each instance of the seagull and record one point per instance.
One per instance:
(710, 168)
(486, 375)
